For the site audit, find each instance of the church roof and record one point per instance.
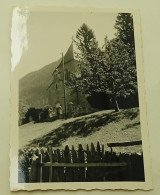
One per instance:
(69, 56)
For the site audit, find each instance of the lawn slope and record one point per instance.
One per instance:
(103, 126)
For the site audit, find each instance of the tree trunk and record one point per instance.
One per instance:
(116, 107)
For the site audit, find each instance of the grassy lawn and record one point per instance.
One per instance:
(103, 126)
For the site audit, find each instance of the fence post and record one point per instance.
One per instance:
(68, 171)
(107, 159)
(51, 160)
(88, 153)
(81, 174)
(91, 159)
(46, 170)
(74, 160)
(55, 176)
(98, 148)
(34, 171)
(102, 153)
(99, 158)
(41, 168)
(60, 169)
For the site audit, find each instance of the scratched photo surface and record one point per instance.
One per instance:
(78, 106)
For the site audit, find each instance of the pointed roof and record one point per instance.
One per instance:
(69, 55)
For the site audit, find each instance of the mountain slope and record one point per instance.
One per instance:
(33, 86)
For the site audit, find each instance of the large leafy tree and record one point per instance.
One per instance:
(125, 37)
(112, 70)
(121, 80)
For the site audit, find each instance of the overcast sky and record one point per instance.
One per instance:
(43, 36)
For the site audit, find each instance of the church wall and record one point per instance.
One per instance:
(76, 103)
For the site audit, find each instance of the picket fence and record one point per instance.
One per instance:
(89, 165)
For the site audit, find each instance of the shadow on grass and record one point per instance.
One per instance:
(84, 126)
(131, 125)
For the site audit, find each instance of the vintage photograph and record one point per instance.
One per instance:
(78, 113)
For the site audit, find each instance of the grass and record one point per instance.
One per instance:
(104, 126)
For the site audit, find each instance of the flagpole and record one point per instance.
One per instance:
(64, 89)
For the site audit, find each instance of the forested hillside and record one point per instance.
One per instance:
(33, 86)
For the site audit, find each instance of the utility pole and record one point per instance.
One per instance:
(64, 89)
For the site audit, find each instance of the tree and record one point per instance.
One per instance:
(23, 108)
(125, 29)
(90, 59)
(87, 48)
(121, 79)
(112, 70)
(125, 32)
(85, 40)
(75, 84)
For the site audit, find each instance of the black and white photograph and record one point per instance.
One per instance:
(78, 106)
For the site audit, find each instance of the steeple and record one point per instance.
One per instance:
(69, 55)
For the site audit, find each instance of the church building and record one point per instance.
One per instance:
(65, 101)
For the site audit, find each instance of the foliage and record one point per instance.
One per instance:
(111, 70)
(91, 62)
(125, 30)
(86, 41)
(23, 108)
(121, 73)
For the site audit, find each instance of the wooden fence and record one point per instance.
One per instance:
(82, 165)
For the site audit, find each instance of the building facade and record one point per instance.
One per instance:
(63, 99)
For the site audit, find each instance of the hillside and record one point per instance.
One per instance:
(104, 126)
(32, 87)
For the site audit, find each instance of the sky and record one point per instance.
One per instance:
(39, 37)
